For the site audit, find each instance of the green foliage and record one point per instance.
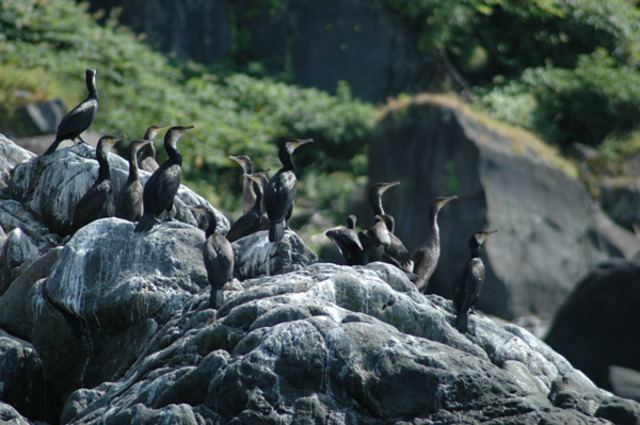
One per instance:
(232, 113)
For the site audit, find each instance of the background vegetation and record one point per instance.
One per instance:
(565, 69)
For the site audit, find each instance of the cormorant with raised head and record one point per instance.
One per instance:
(248, 191)
(281, 190)
(96, 202)
(218, 258)
(250, 222)
(80, 117)
(347, 241)
(129, 199)
(467, 284)
(163, 184)
(147, 154)
(425, 257)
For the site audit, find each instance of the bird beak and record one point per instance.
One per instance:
(488, 233)
(159, 129)
(447, 200)
(185, 129)
(299, 142)
(387, 186)
(254, 177)
(115, 140)
(236, 159)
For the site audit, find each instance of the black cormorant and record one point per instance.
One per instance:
(96, 202)
(373, 238)
(129, 199)
(218, 258)
(347, 241)
(147, 155)
(250, 222)
(163, 184)
(248, 191)
(281, 190)
(467, 284)
(80, 117)
(425, 257)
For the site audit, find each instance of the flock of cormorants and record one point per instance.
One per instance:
(267, 204)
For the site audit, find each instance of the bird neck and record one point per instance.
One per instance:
(375, 200)
(287, 161)
(475, 251)
(257, 189)
(92, 88)
(134, 172)
(211, 227)
(104, 173)
(435, 230)
(172, 152)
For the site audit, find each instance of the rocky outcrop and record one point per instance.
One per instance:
(123, 333)
(551, 232)
(595, 328)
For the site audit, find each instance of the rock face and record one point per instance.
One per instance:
(314, 42)
(596, 326)
(551, 233)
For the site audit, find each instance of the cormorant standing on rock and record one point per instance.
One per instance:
(129, 199)
(468, 282)
(95, 203)
(347, 241)
(248, 191)
(425, 257)
(163, 184)
(147, 154)
(250, 222)
(218, 258)
(80, 117)
(281, 190)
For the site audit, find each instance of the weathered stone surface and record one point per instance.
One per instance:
(551, 232)
(333, 344)
(14, 309)
(9, 415)
(10, 156)
(22, 383)
(255, 255)
(51, 186)
(621, 200)
(108, 293)
(596, 327)
(197, 30)
(18, 249)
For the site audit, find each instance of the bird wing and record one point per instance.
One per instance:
(245, 225)
(218, 260)
(397, 250)
(92, 204)
(161, 188)
(80, 117)
(280, 194)
(468, 284)
(129, 201)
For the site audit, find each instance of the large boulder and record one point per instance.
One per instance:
(22, 383)
(10, 156)
(107, 294)
(341, 345)
(551, 233)
(51, 186)
(596, 327)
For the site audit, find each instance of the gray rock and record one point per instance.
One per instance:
(10, 156)
(14, 216)
(14, 311)
(43, 117)
(551, 232)
(51, 186)
(335, 344)
(18, 249)
(620, 198)
(601, 312)
(108, 293)
(10, 416)
(22, 383)
(256, 256)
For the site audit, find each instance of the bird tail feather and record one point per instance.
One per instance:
(462, 321)
(276, 231)
(145, 224)
(216, 299)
